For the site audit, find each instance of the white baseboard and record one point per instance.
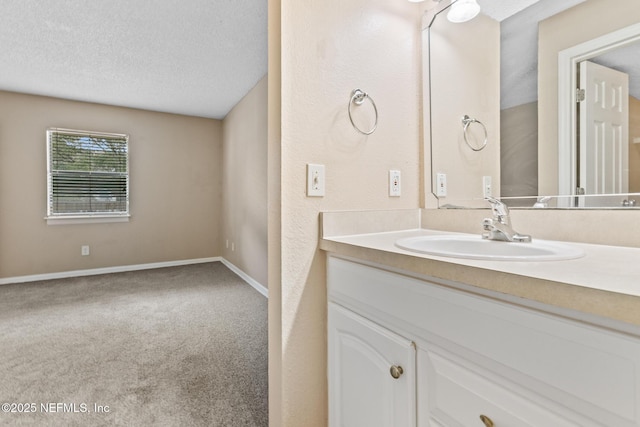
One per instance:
(105, 270)
(121, 269)
(244, 276)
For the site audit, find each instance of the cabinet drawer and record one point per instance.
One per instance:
(590, 370)
(457, 393)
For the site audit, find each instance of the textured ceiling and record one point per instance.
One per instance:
(519, 50)
(193, 57)
(627, 60)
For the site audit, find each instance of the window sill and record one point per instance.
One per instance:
(86, 219)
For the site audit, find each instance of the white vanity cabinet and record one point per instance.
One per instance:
(478, 359)
(374, 373)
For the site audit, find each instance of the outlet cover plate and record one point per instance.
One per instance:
(486, 186)
(441, 185)
(394, 183)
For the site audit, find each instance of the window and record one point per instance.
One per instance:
(88, 174)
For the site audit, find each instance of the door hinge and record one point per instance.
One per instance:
(580, 95)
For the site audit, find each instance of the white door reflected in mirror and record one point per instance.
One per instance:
(604, 130)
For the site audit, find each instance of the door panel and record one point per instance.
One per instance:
(604, 130)
(362, 390)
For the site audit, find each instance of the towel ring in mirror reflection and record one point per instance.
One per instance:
(466, 122)
(357, 98)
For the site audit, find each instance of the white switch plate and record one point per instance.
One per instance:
(486, 186)
(441, 184)
(394, 183)
(315, 180)
(84, 250)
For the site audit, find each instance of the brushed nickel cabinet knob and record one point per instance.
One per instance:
(396, 371)
(486, 420)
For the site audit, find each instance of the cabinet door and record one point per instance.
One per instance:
(371, 373)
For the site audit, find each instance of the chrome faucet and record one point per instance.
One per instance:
(499, 227)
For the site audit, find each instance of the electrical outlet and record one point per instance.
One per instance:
(394, 183)
(486, 186)
(441, 184)
(84, 250)
(315, 180)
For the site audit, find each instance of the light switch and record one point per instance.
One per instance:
(315, 180)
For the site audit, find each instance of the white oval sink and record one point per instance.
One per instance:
(475, 247)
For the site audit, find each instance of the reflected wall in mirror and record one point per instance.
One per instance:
(522, 116)
(464, 61)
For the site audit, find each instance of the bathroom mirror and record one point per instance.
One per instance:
(503, 69)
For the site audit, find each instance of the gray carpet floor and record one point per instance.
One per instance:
(177, 346)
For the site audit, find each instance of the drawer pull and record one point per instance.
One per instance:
(486, 420)
(396, 371)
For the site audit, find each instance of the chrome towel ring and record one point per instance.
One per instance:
(466, 122)
(358, 97)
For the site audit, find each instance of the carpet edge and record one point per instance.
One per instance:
(105, 270)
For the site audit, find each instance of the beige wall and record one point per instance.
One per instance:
(244, 184)
(519, 150)
(322, 51)
(585, 21)
(175, 168)
(465, 80)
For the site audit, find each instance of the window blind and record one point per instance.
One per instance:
(88, 173)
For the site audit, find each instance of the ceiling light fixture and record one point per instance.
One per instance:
(463, 10)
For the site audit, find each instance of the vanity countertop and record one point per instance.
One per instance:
(605, 282)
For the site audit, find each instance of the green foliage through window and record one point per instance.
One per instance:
(88, 173)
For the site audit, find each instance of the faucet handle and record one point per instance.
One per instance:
(487, 226)
(499, 209)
